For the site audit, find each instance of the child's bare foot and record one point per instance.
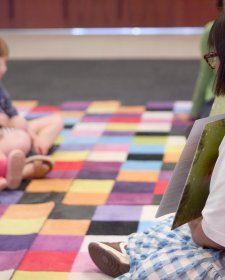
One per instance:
(15, 165)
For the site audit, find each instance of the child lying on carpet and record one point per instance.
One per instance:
(193, 251)
(18, 133)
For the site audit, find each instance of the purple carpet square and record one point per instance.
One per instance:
(96, 118)
(3, 208)
(129, 198)
(97, 175)
(118, 133)
(73, 105)
(160, 105)
(133, 187)
(102, 166)
(57, 243)
(15, 242)
(75, 147)
(10, 197)
(117, 213)
(10, 260)
(165, 175)
(131, 115)
(62, 174)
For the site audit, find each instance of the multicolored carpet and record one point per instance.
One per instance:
(112, 165)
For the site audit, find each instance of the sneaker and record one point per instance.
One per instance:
(109, 258)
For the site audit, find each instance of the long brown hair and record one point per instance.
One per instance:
(216, 43)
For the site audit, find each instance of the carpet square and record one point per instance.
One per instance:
(97, 175)
(32, 198)
(24, 211)
(137, 176)
(27, 275)
(85, 198)
(84, 263)
(171, 157)
(112, 228)
(10, 260)
(64, 243)
(112, 147)
(3, 209)
(20, 226)
(139, 165)
(47, 261)
(152, 156)
(65, 227)
(16, 242)
(130, 198)
(160, 187)
(149, 140)
(117, 213)
(68, 165)
(72, 212)
(62, 174)
(146, 149)
(133, 187)
(107, 156)
(102, 166)
(49, 185)
(70, 156)
(10, 197)
(92, 186)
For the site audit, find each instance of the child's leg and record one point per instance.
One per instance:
(46, 129)
(15, 166)
(13, 139)
(11, 169)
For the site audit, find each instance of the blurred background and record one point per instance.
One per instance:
(131, 50)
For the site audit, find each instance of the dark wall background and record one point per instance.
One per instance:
(105, 13)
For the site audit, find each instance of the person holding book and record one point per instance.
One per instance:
(195, 250)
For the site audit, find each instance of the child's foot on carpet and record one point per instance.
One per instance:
(110, 258)
(14, 168)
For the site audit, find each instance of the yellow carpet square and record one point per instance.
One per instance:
(8, 226)
(70, 156)
(92, 186)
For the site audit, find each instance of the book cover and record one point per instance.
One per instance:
(188, 188)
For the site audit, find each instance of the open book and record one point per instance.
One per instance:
(188, 188)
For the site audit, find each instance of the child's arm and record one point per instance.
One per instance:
(199, 236)
(19, 122)
(4, 120)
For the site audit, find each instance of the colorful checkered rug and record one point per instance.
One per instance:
(112, 165)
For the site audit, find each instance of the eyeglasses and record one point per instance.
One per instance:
(211, 59)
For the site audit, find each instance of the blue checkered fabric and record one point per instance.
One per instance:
(159, 253)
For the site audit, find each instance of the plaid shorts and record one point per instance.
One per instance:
(159, 253)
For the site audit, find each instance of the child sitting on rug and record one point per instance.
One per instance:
(193, 251)
(38, 134)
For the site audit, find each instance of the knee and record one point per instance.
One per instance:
(58, 120)
(23, 141)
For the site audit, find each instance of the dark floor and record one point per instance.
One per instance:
(131, 81)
